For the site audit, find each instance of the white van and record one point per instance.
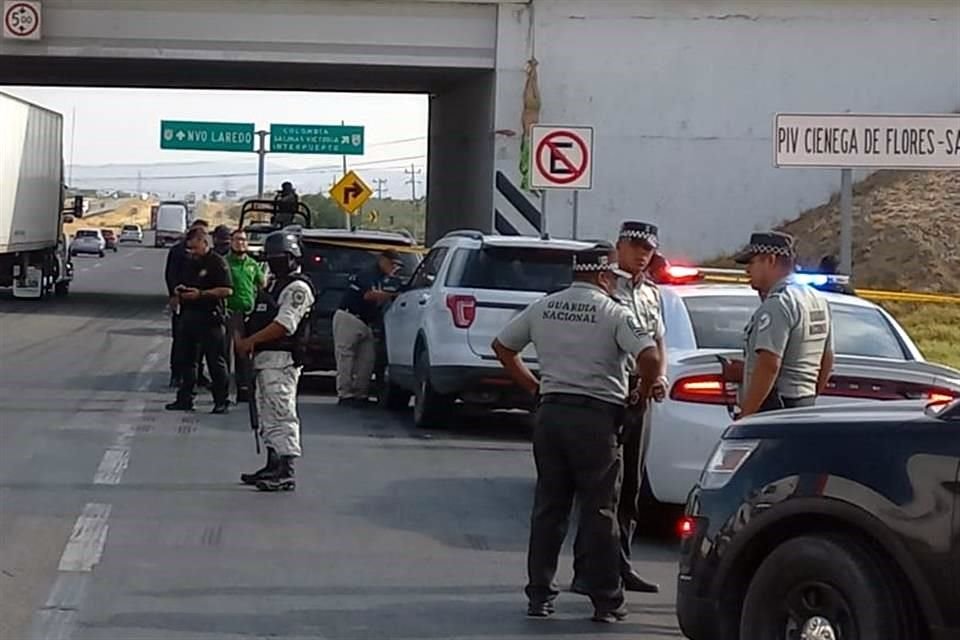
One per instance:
(171, 223)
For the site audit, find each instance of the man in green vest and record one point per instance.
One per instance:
(248, 277)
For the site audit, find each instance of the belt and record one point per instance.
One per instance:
(577, 400)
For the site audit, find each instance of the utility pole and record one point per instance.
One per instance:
(262, 152)
(413, 172)
(139, 182)
(380, 182)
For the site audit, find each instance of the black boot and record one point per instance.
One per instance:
(272, 461)
(281, 478)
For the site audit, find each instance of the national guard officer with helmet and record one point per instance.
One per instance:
(788, 343)
(275, 333)
(636, 245)
(585, 341)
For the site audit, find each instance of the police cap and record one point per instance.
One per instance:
(597, 259)
(641, 231)
(280, 243)
(221, 233)
(774, 243)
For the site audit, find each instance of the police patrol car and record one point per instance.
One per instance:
(705, 312)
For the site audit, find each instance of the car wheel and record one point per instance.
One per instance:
(102, 254)
(822, 587)
(430, 409)
(61, 289)
(392, 397)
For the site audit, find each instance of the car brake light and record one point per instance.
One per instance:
(686, 527)
(939, 395)
(463, 309)
(704, 389)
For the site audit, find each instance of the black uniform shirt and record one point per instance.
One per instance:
(353, 300)
(209, 271)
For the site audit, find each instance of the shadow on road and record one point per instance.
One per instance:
(109, 305)
(479, 514)
(419, 618)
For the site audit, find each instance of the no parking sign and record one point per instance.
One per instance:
(562, 157)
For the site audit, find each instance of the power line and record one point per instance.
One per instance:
(246, 174)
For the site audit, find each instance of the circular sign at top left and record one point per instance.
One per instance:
(21, 20)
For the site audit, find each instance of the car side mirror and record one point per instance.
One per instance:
(430, 279)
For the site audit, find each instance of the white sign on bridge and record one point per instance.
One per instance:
(869, 141)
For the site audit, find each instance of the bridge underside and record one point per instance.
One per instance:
(460, 149)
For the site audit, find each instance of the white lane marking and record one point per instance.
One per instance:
(111, 468)
(117, 457)
(85, 546)
(98, 265)
(58, 618)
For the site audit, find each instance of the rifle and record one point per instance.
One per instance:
(252, 406)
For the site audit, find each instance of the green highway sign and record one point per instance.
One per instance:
(206, 136)
(316, 139)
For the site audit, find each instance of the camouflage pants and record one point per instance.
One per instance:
(277, 408)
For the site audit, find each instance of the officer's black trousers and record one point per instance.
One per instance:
(200, 333)
(635, 440)
(175, 368)
(577, 455)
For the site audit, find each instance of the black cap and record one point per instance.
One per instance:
(280, 243)
(221, 233)
(597, 259)
(774, 243)
(643, 231)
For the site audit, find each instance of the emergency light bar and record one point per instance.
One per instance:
(677, 274)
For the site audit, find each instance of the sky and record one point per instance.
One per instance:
(122, 126)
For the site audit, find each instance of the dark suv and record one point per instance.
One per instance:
(331, 256)
(832, 523)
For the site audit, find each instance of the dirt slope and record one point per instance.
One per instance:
(906, 232)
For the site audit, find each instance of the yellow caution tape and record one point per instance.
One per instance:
(906, 296)
(371, 246)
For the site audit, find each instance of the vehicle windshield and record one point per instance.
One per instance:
(87, 233)
(130, 227)
(512, 269)
(719, 321)
(329, 267)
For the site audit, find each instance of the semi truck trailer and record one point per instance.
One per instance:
(34, 256)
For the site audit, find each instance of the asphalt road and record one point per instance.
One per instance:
(119, 520)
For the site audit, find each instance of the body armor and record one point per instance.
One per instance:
(265, 310)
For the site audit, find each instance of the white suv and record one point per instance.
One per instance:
(440, 328)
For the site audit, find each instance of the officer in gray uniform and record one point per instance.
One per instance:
(276, 330)
(585, 342)
(788, 343)
(636, 245)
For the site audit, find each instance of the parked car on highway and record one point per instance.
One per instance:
(131, 233)
(330, 257)
(875, 360)
(88, 241)
(439, 330)
(110, 239)
(827, 523)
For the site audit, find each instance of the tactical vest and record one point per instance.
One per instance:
(265, 310)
